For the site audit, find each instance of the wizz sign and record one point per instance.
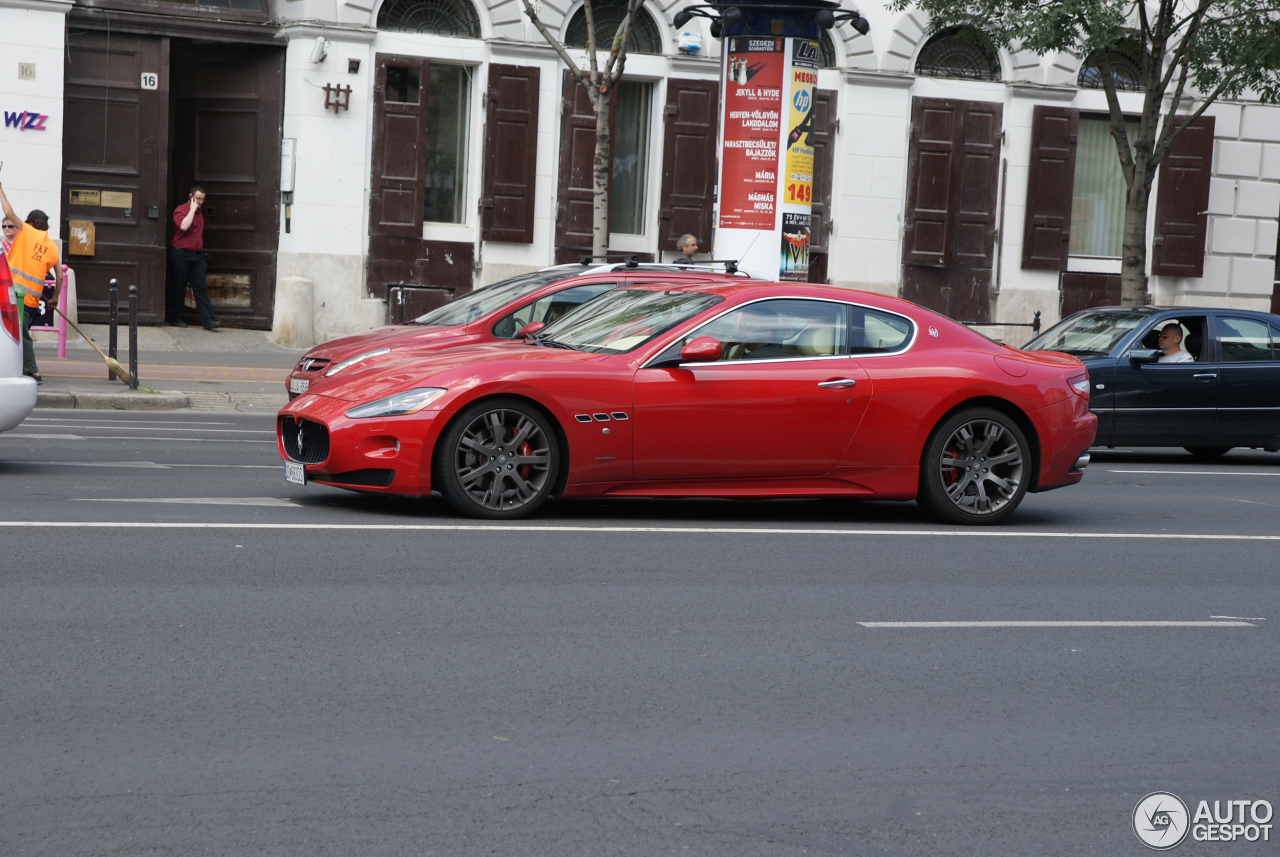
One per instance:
(26, 120)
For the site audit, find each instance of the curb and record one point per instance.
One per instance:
(163, 400)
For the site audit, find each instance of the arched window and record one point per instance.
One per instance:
(826, 50)
(963, 52)
(440, 17)
(1126, 67)
(643, 37)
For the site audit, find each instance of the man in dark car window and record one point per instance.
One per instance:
(1170, 343)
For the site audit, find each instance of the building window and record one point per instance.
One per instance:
(455, 18)
(448, 114)
(1098, 192)
(643, 38)
(630, 158)
(826, 50)
(963, 52)
(403, 84)
(1126, 67)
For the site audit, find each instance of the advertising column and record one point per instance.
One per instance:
(766, 162)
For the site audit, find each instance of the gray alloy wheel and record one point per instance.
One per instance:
(976, 468)
(497, 459)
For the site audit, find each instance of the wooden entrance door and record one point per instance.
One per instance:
(227, 119)
(114, 163)
(952, 181)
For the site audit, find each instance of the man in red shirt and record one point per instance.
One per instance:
(186, 262)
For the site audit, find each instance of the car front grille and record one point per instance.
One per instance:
(307, 443)
(312, 364)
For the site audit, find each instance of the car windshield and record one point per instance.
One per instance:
(472, 305)
(625, 319)
(1089, 334)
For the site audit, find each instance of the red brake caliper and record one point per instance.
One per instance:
(525, 469)
(953, 476)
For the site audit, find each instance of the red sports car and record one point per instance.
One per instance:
(491, 314)
(730, 389)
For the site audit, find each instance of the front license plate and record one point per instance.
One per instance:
(295, 473)
(298, 385)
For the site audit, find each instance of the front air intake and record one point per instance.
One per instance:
(307, 443)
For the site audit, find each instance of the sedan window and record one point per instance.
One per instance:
(784, 328)
(480, 302)
(873, 332)
(548, 308)
(625, 319)
(1087, 334)
(1243, 340)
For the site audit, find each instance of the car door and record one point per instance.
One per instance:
(777, 403)
(1248, 380)
(1168, 404)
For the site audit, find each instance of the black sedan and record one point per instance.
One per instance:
(1207, 380)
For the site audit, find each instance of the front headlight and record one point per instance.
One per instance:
(350, 361)
(408, 402)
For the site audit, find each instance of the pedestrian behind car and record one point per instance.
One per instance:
(186, 262)
(32, 254)
(688, 246)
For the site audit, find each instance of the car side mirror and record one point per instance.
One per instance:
(1144, 355)
(704, 349)
(530, 329)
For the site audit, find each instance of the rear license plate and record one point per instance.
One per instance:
(298, 385)
(295, 473)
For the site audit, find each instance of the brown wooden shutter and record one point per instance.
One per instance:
(931, 178)
(1046, 236)
(576, 196)
(1177, 246)
(510, 154)
(825, 122)
(689, 153)
(398, 182)
(974, 241)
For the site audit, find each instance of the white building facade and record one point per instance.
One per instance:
(405, 151)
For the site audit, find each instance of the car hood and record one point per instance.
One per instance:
(339, 349)
(406, 368)
(1056, 358)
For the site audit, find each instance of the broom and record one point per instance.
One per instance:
(112, 363)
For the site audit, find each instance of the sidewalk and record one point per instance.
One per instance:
(223, 369)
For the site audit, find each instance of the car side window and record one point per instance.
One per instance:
(1243, 340)
(874, 332)
(1194, 342)
(548, 308)
(776, 329)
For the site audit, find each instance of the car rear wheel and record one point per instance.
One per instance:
(1208, 451)
(976, 467)
(497, 459)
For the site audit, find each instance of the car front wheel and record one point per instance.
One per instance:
(975, 469)
(497, 459)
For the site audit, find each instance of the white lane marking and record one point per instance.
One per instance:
(132, 438)
(196, 501)
(1242, 618)
(1083, 624)
(118, 422)
(1251, 502)
(1200, 472)
(220, 431)
(561, 528)
(142, 464)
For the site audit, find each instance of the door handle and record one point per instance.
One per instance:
(841, 384)
(1207, 376)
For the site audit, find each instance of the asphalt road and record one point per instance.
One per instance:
(199, 658)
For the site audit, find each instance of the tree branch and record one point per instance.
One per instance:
(1166, 143)
(591, 42)
(555, 43)
(618, 56)
(1118, 132)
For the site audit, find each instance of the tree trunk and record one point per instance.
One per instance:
(1133, 258)
(600, 175)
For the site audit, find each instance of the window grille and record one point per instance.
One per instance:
(826, 50)
(963, 52)
(1126, 68)
(643, 37)
(455, 18)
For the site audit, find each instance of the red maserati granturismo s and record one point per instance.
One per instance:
(744, 390)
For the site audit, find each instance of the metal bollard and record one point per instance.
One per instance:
(1035, 324)
(111, 326)
(133, 337)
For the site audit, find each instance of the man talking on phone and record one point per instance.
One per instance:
(186, 262)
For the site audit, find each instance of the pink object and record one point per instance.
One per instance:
(60, 326)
